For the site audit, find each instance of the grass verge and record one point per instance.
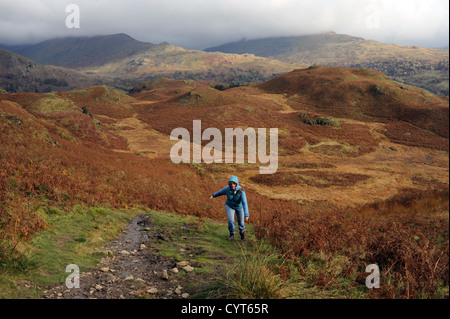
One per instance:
(73, 237)
(250, 269)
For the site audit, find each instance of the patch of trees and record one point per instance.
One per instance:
(56, 82)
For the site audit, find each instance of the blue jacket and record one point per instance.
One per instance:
(236, 199)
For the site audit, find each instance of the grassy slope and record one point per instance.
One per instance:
(77, 237)
(73, 237)
(251, 269)
(70, 158)
(362, 95)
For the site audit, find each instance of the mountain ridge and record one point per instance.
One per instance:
(18, 73)
(421, 67)
(75, 52)
(123, 60)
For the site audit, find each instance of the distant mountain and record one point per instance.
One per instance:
(20, 74)
(425, 68)
(76, 52)
(118, 57)
(291, 48)
(178, 63)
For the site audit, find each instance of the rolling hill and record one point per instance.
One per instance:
(362, 95)
(363, 160)
(421, 67)
(334, 118)
(119, 58)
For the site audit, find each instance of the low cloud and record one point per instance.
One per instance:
(203, 23)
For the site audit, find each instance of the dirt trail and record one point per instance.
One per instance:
(130, 270)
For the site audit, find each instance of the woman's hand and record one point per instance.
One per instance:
(211, 197)
(246, 219)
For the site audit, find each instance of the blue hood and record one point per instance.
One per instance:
(234, 179)
(241, 198)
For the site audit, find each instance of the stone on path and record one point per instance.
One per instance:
(188, 268)
(182, 264)
(129, 277)
(152, 290)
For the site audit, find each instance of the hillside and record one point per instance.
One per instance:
(364, 95)
(18, 73)
(76, 52)
(331, 118)
(362, 178)
(287, 47)
(421, 67)
(119, 58)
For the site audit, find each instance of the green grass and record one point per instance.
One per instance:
(74, 237)
(197, 234)
(223, 269)
(252, 278)
(51, 104)
(228, 269)
(206, 244)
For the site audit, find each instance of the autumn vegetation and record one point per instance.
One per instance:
(60, 150)
(406, 236)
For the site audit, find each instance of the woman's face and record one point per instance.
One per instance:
(232, 185)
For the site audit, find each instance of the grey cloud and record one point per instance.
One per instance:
(202, 23)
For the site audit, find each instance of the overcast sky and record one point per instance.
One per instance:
(198, 24)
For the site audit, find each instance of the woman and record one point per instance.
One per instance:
(236, 203)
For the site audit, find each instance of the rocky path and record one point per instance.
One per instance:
(130, 270)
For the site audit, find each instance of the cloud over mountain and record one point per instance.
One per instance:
(199, 24)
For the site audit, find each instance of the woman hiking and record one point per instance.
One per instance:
(236, 203)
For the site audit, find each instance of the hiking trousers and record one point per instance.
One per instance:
(240, 218)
